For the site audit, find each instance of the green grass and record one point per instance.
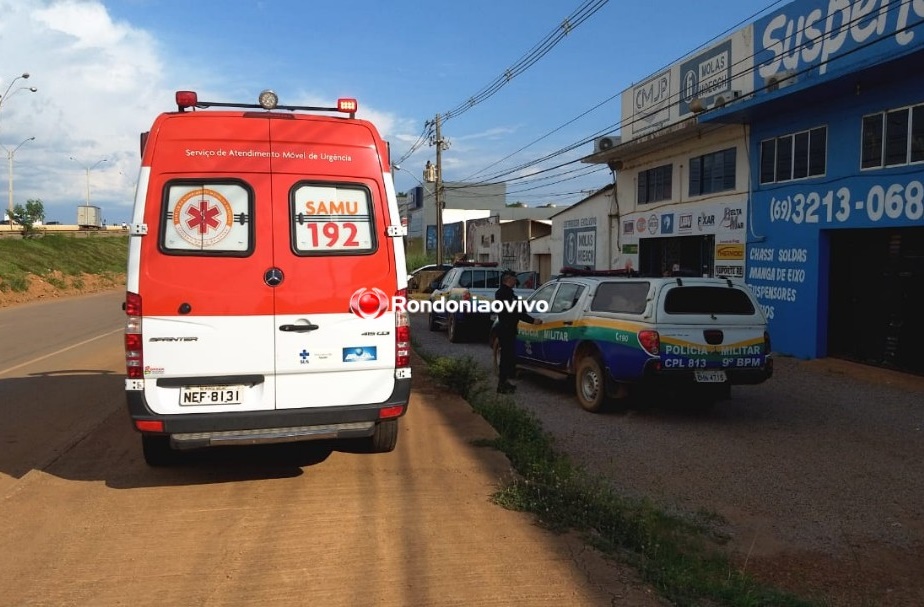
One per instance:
(72, 257)
(416, 260)
(680, 556)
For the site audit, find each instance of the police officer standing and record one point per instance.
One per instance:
(507, 320)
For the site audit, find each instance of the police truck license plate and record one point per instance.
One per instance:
(211, 395)
(711, 376)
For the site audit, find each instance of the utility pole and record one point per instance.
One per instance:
(437, 140)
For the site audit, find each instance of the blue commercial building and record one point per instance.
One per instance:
(790, 155)
(835, 252)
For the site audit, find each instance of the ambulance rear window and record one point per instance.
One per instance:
(207, 217)
(332, 219)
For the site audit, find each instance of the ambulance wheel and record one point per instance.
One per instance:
(431, 323)
(157, 451)
(590, 384)
(385, 437)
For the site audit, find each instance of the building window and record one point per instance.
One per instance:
(892, 138)
(712, 172)
(794, 156)
(655, 184)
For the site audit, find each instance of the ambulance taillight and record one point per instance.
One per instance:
(402, 335)
(133, 348)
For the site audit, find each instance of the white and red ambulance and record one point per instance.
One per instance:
(265, 249)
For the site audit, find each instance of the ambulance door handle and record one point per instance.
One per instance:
(299, 328)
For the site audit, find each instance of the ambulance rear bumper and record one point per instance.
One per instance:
(194, 430)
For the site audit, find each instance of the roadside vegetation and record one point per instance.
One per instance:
(678, 556)
(417, 260)
(62, 261)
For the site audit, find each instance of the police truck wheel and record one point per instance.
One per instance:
(452, 329)
(385, 437)
(157, 451)
(590, 384)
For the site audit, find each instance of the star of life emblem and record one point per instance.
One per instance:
(203, 217)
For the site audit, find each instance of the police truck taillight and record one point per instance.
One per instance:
(402, 335)
(650, 341)
(133, 350)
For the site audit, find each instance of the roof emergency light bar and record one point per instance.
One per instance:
(268, 100)
(572, 271)
(475, 264)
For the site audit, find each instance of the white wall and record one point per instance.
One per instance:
(722, 214)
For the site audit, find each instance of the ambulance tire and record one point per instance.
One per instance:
(157, 451)
(385, 437)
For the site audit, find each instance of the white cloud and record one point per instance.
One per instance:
(99, 85)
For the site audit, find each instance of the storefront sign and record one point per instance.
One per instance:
(580, 242)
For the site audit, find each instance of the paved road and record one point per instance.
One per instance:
(818, 473)
(85, 522)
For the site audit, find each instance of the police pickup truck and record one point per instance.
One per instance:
(615, 333)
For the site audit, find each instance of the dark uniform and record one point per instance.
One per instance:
(507, 334)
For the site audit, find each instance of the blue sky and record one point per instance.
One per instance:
(104, 70)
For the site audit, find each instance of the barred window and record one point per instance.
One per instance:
(892, 138)
(655, 184)
(794, 156)
(712, 173)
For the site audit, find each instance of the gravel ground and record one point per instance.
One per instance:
(817, 475)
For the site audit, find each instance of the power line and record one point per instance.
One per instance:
(579, 16)
(600, 104)
(497, 176)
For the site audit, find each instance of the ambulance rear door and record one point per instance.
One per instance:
(208, 324)
(334, 334)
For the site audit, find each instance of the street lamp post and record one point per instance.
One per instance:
(9, 154)
(7, 94)
(9, 157)
(88, 168)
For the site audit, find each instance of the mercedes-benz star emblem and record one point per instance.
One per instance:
(273, 277)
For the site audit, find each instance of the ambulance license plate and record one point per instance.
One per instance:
(711, 376)
(211, 395)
